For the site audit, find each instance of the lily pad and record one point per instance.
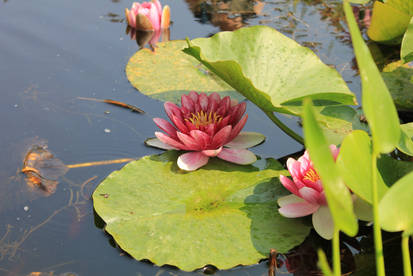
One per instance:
(223, 214)
(390, 20)
(270, 69)
(399, 80)
(167, 73)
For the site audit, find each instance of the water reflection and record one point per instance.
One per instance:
(227, 15)
(150, 38)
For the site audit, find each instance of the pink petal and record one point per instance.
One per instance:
(288, 184)
(187, 103)
(334, 151)
(194, 96)
(315, 185)
(289, 199)
(172, 109)
(158, 6)
(237, 156)
(203, 101)
(179, 123)
(156, 143)
(221, 137)
(165, 126)
(188, 141)
(294, 167)
(191, 161)
(238, 112)
(169, 141)
(296, 210)
(238, 127)
(246, 140)
(201, 138)
(212, 153)
(214, 97)
(309, 194)
(323, 222)
(154, 17)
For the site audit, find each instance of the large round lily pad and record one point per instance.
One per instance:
(222, 214)
(167, 73)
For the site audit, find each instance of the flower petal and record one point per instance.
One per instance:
(166, 17)
(221, 137)
(143, 23)
(288, 184)
(294, 167)
(323, 222)
(156, 143)
(165, 126)
(238, 127)
(170, 141)
(212, 153)
(189, 142)
(203, 101)
(191, 161)
(201, 137)
(246, 140)
(309, 194)
(187, 102)
(289, 199)
(237, 156)
(296, 210)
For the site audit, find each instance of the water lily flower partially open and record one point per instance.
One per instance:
(308, 195)
(148, 16)
(206, 126)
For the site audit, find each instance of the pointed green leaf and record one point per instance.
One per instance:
(396, 206)
(405, 142)
(222, 214)
(354, 163)
(167, 73)
(377, 102)
(323, 263)
(268, 68)
(406, 52)
(338, 196)
(390, 20)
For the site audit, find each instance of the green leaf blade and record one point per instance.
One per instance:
(377, 102)
(338, 196)
(406, 52)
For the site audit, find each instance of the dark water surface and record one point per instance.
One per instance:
(53, 51)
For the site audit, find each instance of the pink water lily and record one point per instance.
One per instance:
(148, 16)
(206, 126)
(308, 195)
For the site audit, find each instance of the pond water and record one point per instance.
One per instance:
(53, 52)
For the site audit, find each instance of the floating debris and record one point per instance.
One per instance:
(109, 101)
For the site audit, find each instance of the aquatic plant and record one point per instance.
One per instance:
(148, 16)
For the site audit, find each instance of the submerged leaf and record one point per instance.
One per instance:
(222, 214)
(270, 69)
(167, 73)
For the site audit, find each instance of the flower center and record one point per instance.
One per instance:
(204, 118)
(311, 175)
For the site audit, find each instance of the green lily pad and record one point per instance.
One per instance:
(406, 52)
(167, 73)
(399, 80)
(390, 20)
(270, 69)
(222, 214)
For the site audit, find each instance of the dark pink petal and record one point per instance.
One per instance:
(224, 106)
(203, 101)
(212, 106)
(189, 142)
(288, 184)
(238, 111)
(289, 199)
(156, 143)
(238, 127)
(223, 122)
(194, 96)
(187, 103)
(323, 222)
(309, 194)
(172, 109)
(197, 107)
(212, 153)
(296, 210)
(237, 156)
(190, 126)
(322, 199)
(214, 97)
(201, 138)
(210, 129)
(191, 161)
(221, 137)
(168, 140)
(315, 185)
(165, 126)
(179, 124)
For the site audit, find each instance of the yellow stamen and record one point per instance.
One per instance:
(204, 118)
(311, 175)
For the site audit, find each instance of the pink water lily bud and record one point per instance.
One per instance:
(308, 195)
(206, 126)
(148, 16)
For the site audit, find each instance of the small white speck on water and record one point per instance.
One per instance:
(26, 208)
(106, 130)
